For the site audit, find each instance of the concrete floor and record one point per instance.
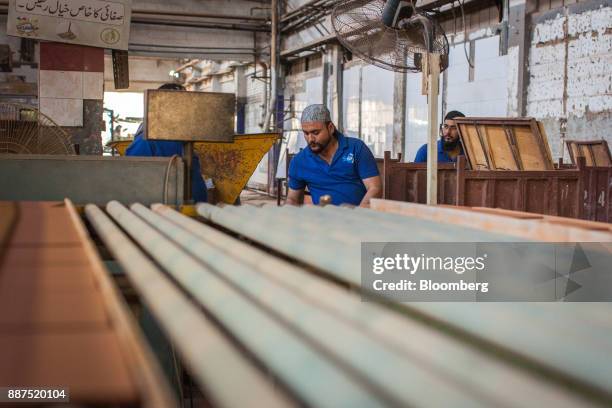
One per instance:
(256, 198)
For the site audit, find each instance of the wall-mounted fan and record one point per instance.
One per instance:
(389, 34)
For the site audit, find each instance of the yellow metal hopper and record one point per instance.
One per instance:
(229, 165)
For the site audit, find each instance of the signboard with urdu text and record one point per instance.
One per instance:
(96, 23)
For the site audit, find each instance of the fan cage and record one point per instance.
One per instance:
(25, 130)
(359, 28)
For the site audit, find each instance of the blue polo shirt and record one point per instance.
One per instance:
(341, 179)
(167, 148)
(443, 157)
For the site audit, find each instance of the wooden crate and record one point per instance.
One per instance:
(583, 192)
(505, 144)
(595, 152)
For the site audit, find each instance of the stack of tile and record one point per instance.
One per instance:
(55, 330)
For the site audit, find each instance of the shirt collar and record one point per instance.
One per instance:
(342, 142)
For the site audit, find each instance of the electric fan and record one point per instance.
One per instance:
(389, 34)
(25, 130)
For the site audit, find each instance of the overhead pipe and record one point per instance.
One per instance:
(199, 15)
(274, 61)
(197, 24)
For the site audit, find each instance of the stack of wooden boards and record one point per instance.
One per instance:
(61, 323)
(278, 320)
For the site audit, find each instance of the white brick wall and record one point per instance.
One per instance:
(588, 108)
(487, 95)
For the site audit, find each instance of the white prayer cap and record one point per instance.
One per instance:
(316, 113)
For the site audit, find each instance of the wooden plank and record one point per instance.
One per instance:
(573, 230)
(433, 72)
(595, 152)
(88, 362)
(511, 139)
(484, 143)
(387, 174)
(475, 151)
(460, 188)
(601, 153)
(62, 318)
(538, 128)
(502, 151)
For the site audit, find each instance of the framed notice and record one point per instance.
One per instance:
(96, 23)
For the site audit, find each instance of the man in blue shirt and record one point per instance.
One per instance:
(449, 145)
(167, 148)
(332, 164)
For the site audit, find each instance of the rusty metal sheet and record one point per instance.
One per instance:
(8, 218)
(121, 71)
(230, 165)
(189, 116)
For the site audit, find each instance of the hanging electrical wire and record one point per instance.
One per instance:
(465, 36)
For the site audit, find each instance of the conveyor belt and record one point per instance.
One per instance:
(61, 324)
(317, 341)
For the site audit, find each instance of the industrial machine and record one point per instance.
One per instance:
(228, 165)
(203, 121)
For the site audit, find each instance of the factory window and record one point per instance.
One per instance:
(416, 115)
(351, 81)
(377, 109)
(127, 110)
(300, 91)
(368, 106)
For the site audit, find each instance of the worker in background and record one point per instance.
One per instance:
(117, 132)
(332, 164)
(167, 148)
(449, 145)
